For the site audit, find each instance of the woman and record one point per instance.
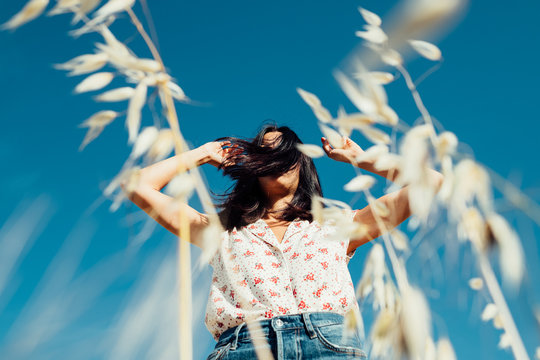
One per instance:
(277, 270)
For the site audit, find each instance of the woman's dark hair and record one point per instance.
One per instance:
(245, 202)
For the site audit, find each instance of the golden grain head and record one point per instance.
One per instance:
(322, 114)
(362, 102)
(426, 49)
(162, 147)
(120, 94)
(359, 183)
(375, 135)
(112, 7)
(391, 57)
(333, 137)
(370, 17)
(181, 186)
(445, 350)
(29, 12)
(498, 322)
(136, 103)
(489, 312)
(373, 34)
(309, 98)
(313, 151)
(505, 341)
(64, 6)
(476, 283)
(144, 141)
(94, 82)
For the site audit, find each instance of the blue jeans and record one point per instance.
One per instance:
(316, 335)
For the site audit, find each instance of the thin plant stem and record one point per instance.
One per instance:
(418, 100)
(145, 36)
(485, 267)
(185, 342)
(498, 298)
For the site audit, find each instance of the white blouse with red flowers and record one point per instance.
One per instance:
(255, 277)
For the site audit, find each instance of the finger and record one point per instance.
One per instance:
(326, 145)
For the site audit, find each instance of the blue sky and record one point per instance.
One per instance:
(243, 61)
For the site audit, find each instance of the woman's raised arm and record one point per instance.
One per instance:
(166, 210)
(397, 202)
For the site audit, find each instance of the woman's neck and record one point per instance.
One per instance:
(275, 206)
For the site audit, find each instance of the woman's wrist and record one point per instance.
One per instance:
(200, 156)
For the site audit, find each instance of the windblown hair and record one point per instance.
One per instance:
(245, 202)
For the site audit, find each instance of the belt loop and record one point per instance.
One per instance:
(235, 337)
(309, 326)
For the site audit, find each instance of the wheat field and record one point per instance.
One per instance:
(95, 90)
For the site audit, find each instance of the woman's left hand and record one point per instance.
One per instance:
(348, 153)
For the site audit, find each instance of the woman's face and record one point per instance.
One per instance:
(275, 184)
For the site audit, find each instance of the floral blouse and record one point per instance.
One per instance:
(255, 277)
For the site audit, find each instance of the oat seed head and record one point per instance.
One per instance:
(29, 12)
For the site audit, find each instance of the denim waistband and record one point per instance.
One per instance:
(305, 321)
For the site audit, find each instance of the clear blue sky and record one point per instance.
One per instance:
(244, 60)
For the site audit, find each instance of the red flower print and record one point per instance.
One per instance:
(234, 232)
(238, 306)
(220, 310)
(309, 257)
(268, 252)
(220, 324)
(274, 279)
(258, 266)
(295, 255)
(252, 227)
(258, 280)
(253, 241)
(336, 292)
(276, 265)
(342, 243)
(309, 276)
(337, 257)
(310, 243)
(242, 282)
(223, 288)
(324, 250)
(253, 302)
(214, 279)
(324, 265)
(287, 249)
(302, 305)
(231, 294)
(283, 310)
(237, 240)
(261, 234)
(218, 299)
(239, 316)
(249, 253)
(327, 306)
(294, 292)
(343, 301)
(318, 293)
(272, 293)
(268, 314)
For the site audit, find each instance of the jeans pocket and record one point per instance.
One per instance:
(219, 352)
(331, 337)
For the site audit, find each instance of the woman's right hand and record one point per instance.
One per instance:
(215, 152)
